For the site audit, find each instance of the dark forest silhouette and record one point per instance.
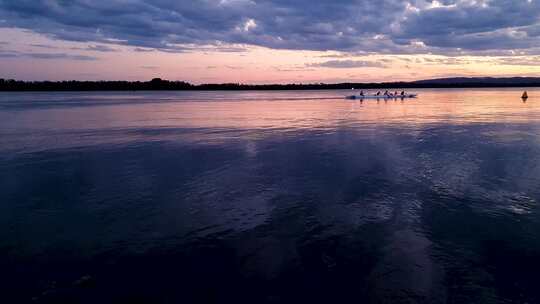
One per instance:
(157, 84)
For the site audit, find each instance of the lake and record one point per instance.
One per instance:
(270, 197)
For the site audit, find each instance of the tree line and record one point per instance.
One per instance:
(160, 84)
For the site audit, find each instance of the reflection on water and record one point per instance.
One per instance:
(269, 197)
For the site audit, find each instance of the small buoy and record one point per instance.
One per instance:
(525, 95)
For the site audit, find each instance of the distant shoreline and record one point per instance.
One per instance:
(158, 84)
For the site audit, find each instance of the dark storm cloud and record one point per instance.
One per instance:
(474, 25)
(378, 26)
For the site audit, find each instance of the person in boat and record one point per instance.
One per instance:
(395, 93)
(402, 93)
(362, 93)
(525, 95)
(378, 93)
(386, 93)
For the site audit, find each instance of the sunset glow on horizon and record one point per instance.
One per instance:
(268, 41)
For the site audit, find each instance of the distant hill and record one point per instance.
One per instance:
(480, 81)
(158, 84)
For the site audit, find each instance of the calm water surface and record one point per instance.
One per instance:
(269, 197)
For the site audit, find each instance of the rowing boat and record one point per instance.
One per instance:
(360, 97)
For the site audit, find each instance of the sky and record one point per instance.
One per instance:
(268, 41)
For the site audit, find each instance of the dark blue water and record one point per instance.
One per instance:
(281, 197)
